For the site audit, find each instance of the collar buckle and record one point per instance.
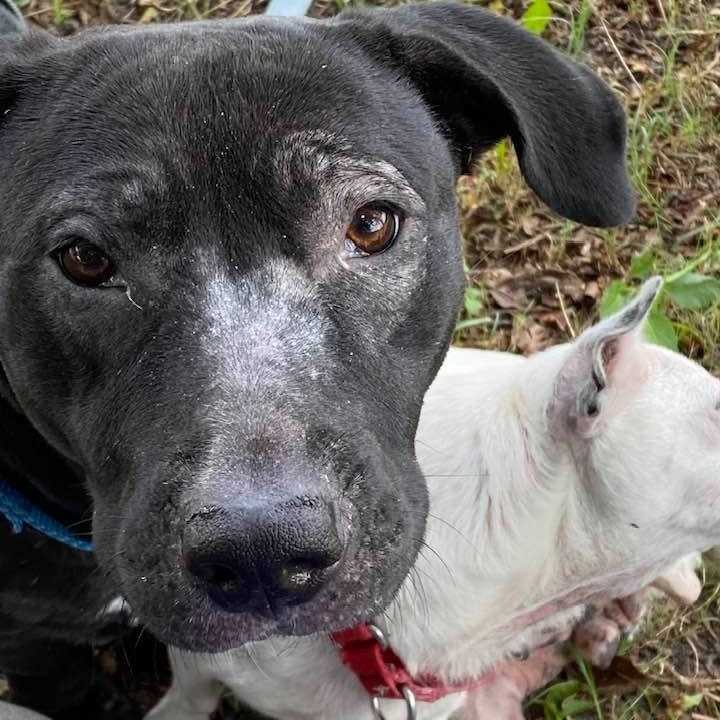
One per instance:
(410, 704)
(366, 652)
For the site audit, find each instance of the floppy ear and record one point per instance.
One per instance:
(11, 19)
(587, 375)
(20, 55)
(7, 85)
(484, 78)
(9, 80)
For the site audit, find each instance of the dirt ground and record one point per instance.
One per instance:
(535, 280)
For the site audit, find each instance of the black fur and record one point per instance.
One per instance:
(237, 361)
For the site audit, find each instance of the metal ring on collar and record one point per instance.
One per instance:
(379, 635)
(410, 705)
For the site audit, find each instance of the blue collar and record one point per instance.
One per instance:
(19, 511)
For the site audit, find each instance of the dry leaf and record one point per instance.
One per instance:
(149, 14)
(530, 338)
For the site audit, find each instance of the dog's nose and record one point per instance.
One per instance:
(262, 559)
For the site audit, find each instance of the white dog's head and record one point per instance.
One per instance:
(634, 430)
(581, 474)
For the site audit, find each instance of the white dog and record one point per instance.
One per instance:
(557, 484)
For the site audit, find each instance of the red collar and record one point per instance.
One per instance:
(384, 675)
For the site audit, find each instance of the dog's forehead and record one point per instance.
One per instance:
(262, 78)
(228, 116)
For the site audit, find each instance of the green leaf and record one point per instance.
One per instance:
(660, 330)
(616, 295)
(537, 16)
(690, 702)
(575, 706)
(473, 301)
(643, 265)
(501, 155)
(561, 691)
(550, 712)
(693, 291)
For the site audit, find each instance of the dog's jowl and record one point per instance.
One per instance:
(229, 270)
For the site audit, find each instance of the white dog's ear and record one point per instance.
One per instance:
(577, 402)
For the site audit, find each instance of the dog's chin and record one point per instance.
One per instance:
(211, 630)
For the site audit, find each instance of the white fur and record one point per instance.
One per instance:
(13, 712)
(529, 523)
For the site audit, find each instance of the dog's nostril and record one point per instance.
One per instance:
(294, 577)
(224, 584)
(297, 576)
(218, 575)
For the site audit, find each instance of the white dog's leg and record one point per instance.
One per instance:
(502, 698)
(194, 694)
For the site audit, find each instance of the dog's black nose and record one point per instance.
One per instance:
(262, 559)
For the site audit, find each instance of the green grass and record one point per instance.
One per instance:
(59, 14)
(578, 26)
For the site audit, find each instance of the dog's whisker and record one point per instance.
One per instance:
(418, 441)
(249, 650)
(419, 593)
(424, 545)
(468, 475)
(452, 527)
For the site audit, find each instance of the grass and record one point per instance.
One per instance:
(578, 26)
(534, 280)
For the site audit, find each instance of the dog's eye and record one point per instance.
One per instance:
(372, 230)
(86, 264)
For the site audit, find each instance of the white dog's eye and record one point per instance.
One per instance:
(591, 408)
(589, 401)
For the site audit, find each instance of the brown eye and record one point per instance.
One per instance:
(372, 230)
(86, 264)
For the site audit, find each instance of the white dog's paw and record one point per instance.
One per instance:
(681, 582)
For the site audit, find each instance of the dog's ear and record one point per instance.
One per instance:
(594, 371)
(485, 78)
(7, 81)
(22, 56)
(11, 72)
(11, 19)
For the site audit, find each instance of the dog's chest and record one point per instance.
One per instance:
(304, 679)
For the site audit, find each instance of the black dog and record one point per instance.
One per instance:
(229, 270)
